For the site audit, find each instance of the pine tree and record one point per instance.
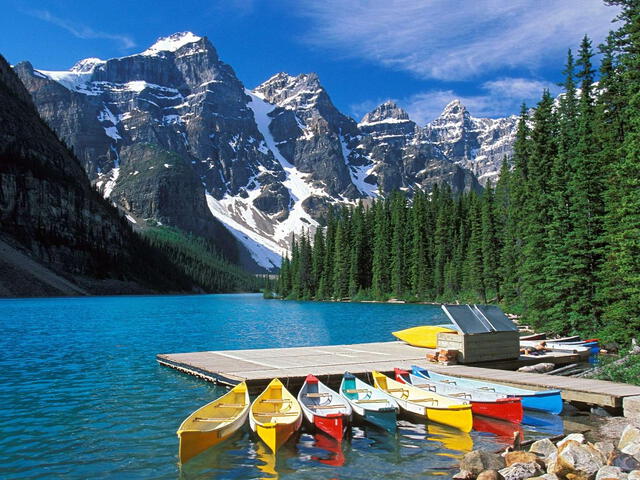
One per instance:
(490, 245)
(398, 237)
(474, 261)
(622, 268)
(586, 207)
(317, 260)
(380, 263)
(357, 266)
(537, 206)
(511, 256)
(341, 258)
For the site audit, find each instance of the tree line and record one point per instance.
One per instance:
(198, 261)
(558, 237)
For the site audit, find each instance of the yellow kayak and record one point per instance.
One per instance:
(426, 336)
(275, 415)
(214, 422)
(429, 405)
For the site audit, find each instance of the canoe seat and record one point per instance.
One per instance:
(231, 405)
(396, 389)
(325, 406)
(275, 414)
(432, 388)
(317, 395)
(213, 419)
(461, 394)
(372, 400)
(448, 381)
(275, 400)
(491, 389)
(431, 400)
(357, 390)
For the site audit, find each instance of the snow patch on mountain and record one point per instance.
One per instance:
(296, 182)
(171, 43)
(262, 249)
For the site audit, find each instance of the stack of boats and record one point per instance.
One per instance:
(276, 414)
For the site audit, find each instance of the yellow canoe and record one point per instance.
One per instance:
(275, 415)
(426, 336)
(429, 405)
(214, 422)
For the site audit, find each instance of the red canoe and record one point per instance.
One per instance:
(324, 408)
(487, 403)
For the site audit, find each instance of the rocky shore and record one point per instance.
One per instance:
(570, 458)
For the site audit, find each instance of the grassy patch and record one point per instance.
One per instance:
(627, 372)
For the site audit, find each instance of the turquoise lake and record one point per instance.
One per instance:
(83, 397)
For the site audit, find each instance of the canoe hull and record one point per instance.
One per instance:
(543, 401)
(456, 415)
(510, 409)
(546, 401)
(334, 424)
(213, 423)
(274, 435)
(489, 404)
(384, 418)
(425, 336)
(325, 409)
(370, 404)
(194, 443)
(281, 412)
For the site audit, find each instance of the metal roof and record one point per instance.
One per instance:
(471, 319)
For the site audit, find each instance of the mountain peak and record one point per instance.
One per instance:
(172, 43)
(454, 107)
(87, 65)
(387, 112)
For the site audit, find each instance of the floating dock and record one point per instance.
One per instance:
(292, 365)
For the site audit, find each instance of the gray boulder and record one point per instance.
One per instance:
(576, 460)
(521, 471)
(609, 473)
(543, 448)
(480, 460)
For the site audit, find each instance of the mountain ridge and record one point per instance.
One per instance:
(266, 162)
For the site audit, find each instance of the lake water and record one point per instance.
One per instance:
(83, 397)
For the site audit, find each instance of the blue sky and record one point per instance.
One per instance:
(492, 54)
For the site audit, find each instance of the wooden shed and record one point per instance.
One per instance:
(484, 334)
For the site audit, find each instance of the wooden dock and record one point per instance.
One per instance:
(292, 365)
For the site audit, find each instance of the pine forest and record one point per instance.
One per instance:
(557, 238)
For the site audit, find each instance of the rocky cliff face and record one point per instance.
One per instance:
(171, 136)
(49, 209)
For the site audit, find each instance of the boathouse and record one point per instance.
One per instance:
(484, 333)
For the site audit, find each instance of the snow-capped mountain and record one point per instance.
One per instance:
(172, 136)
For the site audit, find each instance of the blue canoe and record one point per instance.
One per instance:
(543, 401)
(369, 403)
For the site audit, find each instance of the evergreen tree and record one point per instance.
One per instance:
(380, 283)
(622, 269)
(341, 259)
(586, 207)
(536, 208)
(490, 245)
(398, 262)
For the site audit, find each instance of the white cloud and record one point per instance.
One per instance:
(453, 39)
(497, 98)
(81, 31)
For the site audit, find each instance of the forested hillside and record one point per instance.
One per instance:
(557, 238)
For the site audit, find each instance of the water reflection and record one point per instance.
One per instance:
(543, 423)
(417, 449)
(503, 430)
